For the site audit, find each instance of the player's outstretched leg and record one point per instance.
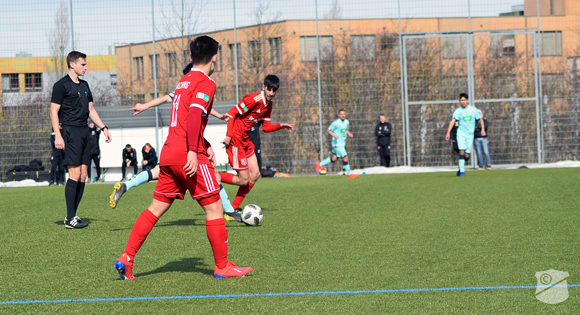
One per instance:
(137, 180)
(230, 214)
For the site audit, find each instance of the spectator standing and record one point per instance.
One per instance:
(56, 160)
(481, 143)
(149, 156)
(383, 133)
(95, 153)
(129, 159)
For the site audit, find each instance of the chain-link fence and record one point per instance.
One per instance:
(408, 60)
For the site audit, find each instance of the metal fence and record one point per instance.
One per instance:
(408, 60)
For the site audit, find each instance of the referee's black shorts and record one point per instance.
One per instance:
(77, 150)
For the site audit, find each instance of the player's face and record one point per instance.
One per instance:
(342, 115)
(79, 66)
(464, 102)
(268, 93)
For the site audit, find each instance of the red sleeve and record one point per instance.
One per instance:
(193, 128)
(233, 112)
(266, 126)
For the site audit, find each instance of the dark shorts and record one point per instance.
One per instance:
(77, 150)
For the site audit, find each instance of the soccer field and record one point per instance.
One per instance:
(392, 243)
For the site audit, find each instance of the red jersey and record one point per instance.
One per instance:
(192, 103)
(249, 111)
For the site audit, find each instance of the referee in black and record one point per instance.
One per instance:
(71, 105)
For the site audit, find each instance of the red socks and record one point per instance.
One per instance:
(218, 238)
(227, 178)
(242, 192)
(140, 231)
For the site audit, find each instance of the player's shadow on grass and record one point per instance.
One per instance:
(184, 265)
(88, 220)
(182, 222)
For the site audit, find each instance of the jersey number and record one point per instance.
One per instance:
(174, 110)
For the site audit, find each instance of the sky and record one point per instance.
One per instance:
(25, 25)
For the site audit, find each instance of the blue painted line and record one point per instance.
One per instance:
(273, 294)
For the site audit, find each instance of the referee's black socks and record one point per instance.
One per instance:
(79, 194)
(70, 193)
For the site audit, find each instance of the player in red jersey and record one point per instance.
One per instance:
(251, 109)
(187, 163)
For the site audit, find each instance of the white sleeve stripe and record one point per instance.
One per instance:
(268, 119)
(239, 110)
(199, 106)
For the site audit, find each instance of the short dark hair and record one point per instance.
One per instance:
(128, 146)
(272, 82)
(341, 110)
(464, 95)
(187, 68)
(203, 48)
(73, 56)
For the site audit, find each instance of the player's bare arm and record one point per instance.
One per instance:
(217, 115)
(448, 135)
(332, 134)
(97, 120)
(227, 141)
(288, 127)
(349, 134)
(156, 102)
(58, 140)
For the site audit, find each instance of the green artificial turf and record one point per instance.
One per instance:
(319, 234)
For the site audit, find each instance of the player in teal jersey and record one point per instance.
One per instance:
(466, 115)
(339, 131)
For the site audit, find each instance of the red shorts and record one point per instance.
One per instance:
(173, 182)
(238, 154)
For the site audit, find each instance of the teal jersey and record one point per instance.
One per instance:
(466, 118)
(339, 128)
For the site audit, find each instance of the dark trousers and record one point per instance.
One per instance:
(57, 161)
(258, 152)
(124, 168)
(149, 166)
(385, 153)
(95, 158)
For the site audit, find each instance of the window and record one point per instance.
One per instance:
(453, 47)
(551, 43)
(233, 55)
(502, 46)
(389, 44)
(33, 82)
(171, 62)
(113, 79)
(138, 66)
(363, 47)
(308, 46)
(155, 62)
(275, 50)
(415, 47)
(254, 53)
(10, 82)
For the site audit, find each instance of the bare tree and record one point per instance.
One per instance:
(58, 41)
(335, 12)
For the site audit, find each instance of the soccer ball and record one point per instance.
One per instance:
(252, 215)
(323, 170)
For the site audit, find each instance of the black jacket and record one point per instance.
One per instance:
(94, 141)
(130, 155)
(477, 133)
(151, 157)
(383, 133)
(255, 134)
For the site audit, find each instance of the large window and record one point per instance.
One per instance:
(233, 55)
(308, 46)
(502, 45)
(138, 68)
(254, 53)
(275, 50)
(363, 47)
(453, 47)
(10, 82)
(171, 61)
(551, 43)
(33, 82)
(155, 62)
